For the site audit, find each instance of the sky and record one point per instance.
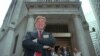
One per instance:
(87, 10)
(4, 5)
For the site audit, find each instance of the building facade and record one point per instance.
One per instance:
(65, 20)
(96, 9)
(93, 26)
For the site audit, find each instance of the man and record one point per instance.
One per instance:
(76, 52)
(38, 43)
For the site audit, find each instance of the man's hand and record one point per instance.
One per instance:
(35, 40)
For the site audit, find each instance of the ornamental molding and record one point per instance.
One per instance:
(52, 4)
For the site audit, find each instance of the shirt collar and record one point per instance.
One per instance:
(40, 30)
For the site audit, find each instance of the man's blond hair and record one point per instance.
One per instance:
(40, 17)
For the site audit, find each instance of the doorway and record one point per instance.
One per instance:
(60, 32)
(63, 41)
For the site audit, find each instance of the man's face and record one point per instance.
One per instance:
(40, 24)
(75, 50)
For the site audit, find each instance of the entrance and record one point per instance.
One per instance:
(63, 41)
(62, 35)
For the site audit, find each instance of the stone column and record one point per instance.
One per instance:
(8, 41)
(81, 36)
(30, 24)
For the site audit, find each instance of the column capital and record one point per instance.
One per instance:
(11, 27)
(76, 15)
(86, 26)
(30, 16)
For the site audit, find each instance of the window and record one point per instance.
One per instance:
(15, 44)
(58, 28)
(93, 29)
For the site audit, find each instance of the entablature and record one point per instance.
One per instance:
(52, 4)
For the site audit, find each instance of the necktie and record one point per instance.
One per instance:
(38, 53)
(40, 35)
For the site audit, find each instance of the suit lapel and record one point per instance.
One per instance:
(36, 34)
(43, 33)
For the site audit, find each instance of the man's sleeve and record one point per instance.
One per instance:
(29, 44)
(48, 41)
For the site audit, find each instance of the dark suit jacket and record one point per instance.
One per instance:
(30, 47)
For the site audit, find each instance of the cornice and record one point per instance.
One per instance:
(52, 4)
